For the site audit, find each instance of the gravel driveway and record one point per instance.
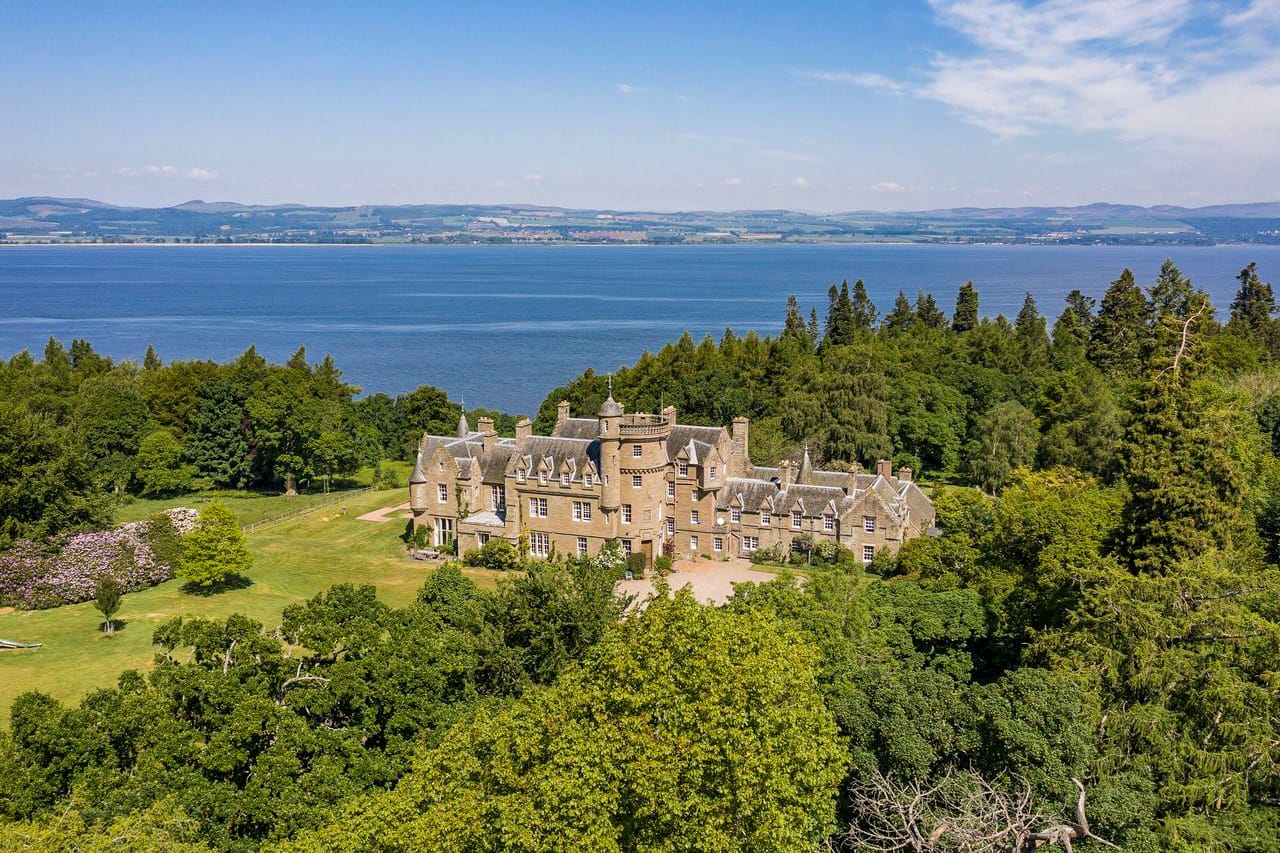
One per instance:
(711, 582)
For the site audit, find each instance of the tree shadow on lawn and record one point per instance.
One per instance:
(228, 584)
(119, 625)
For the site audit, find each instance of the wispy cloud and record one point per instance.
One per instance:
(732, 182)
(534, 178)
(628, 88)
(866, 79)
(1175, 75)
(890, 187)
(801, 182)
(195, 173)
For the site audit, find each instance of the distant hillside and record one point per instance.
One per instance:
(42, 219)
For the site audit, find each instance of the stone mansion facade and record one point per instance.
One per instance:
(654, 485)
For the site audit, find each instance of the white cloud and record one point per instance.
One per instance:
(1174, 76)
(534, 178)
(802, 183)
(628, 88)
(152, 171)
(867, 79)
(732, 182)
(890, 187)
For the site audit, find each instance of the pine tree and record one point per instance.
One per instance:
(813, 324)
(1171, 293)
(151, 361)
(965, 316)
(902, 316)
(841, 322)
(864, 310)
(794, 324)
(1083, 307)
(1253, 311)
(1116, 339)
(928, 312)
(217, 445)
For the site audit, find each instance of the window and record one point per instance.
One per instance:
(693, 517)
(671, 527)
(637, 451)
(636, 481)
(693, 543)
(588, 481)
(695, 495)
(626, 513)
(869, 523)
(626, 546)
(711, 475)
(538, 507)
(539, 544)
(604, 427)
(542, 478)
(750, 543)
(735, 515)
(444, 531)
(482, 539)
(684, 469)
(796, 519)
(717, 544)
(520, 476)
(828, 522)
(868, 553)
(442, 493)
(765, 518)
(581, 511)
(671, 491)
(497, 498)
(564, 480)
(582, 546)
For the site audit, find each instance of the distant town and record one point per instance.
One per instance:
(63, 220)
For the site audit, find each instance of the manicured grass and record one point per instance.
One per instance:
(293, 560)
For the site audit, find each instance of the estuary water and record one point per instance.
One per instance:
(500, 326)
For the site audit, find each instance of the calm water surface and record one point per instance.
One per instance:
(501, 326)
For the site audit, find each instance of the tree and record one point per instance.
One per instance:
(965, 317)
(217, 446)
(1029, 331)
(161, 469)
(864, 310)
(151, 361)
(902, 316)
(928, 312)
(1117, 336)
(1007, 437)
(1253, 311)
(215, 550)
(606, 758)
(106, 599)
(842, 322)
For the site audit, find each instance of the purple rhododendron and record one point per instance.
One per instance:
(66, 570)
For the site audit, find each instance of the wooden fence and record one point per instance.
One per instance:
(334, 497)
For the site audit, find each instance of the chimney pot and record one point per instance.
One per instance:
(904, 473)
(524, 429)
(884, 468)
(562, 413)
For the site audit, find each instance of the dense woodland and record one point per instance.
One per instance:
(1101, 613)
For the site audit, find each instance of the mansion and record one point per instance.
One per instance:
(654, 485)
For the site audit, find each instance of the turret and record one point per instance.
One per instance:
(418, 486)
(464, 429)
(610, 430)
(806, 469)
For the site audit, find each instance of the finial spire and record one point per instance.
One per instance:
(610, 384)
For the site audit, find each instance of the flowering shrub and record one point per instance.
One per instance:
(66, 570)
(184, 519)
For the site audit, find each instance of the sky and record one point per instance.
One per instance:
(666, 106)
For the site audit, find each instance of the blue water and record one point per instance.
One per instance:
(501, 326)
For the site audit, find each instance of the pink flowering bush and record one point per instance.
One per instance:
(66, 570)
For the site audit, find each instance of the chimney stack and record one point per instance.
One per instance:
(884, 468)
(562, 414)
(669, 415)
(904, 473)
(524, 429)
(741, 452)
(487, 433)
(784, 474)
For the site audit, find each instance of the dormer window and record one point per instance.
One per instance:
(520, 476)
(564, 480)
(711, 474)
(542, 478)
(588, 481)
(684, 468)
(797, 519)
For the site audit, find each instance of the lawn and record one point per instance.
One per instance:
(293, 560)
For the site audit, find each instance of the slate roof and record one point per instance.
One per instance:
(577, 451)
(578, 428)
(681, 435)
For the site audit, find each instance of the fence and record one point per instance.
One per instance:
(335, 497)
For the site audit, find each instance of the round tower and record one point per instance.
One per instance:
(610, 433)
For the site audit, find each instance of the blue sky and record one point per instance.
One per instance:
(817, 106)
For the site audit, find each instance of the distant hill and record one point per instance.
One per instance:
(43, 219)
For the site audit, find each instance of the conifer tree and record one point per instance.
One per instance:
(151, 361)
(965, 316)
(841, 322)
(1254, 309)
(1116, 339)
(1033, 341)
(928, 312)
(864, 310)
(902, 316)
